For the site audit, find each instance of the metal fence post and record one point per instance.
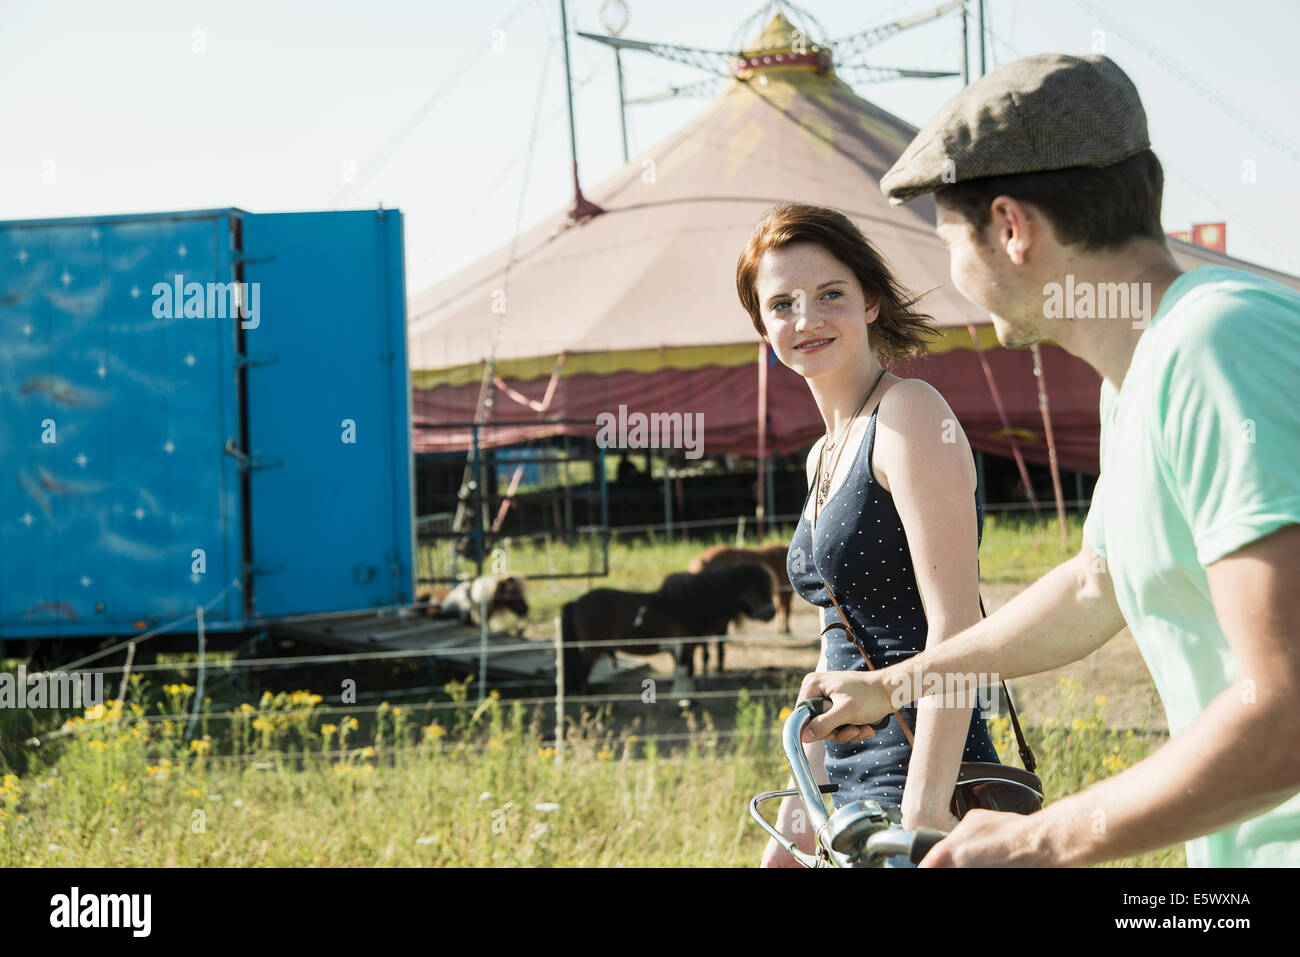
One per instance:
(559, 692)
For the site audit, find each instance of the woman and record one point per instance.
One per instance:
(892, 491)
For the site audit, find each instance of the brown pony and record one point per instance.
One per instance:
(772, 557)
(685, 605)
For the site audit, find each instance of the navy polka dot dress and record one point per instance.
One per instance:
(862, 552)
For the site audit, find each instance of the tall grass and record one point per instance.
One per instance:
(277, 784)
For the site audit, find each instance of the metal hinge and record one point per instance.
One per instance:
(245, 361)
(244, 463)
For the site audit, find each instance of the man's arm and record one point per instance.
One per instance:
(1239, 758)
(1065, 615)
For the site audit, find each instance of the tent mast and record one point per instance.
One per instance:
(583, 209)
(761, 491)
(1041, 375)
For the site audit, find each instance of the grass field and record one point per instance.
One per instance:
(288, 779)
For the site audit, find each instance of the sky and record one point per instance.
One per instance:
(454, 112)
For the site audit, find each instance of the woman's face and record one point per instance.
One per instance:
(813, 309)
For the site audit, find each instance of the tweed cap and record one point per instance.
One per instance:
(1043, 112)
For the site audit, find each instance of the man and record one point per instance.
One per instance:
(1046, 189)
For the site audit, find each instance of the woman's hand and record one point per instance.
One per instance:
(857, 699)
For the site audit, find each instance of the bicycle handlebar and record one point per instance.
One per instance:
(859, 834)
(792, 742)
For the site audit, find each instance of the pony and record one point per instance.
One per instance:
(686, 604)
(498, 592)
(772, 557)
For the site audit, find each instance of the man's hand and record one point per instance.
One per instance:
(857, 699)
(990, 839)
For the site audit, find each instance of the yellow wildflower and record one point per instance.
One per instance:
(785, 713)
(603, 755)
(328, 729)
(546, 753)
(200, 747)
(1100, 701)
(97, 745)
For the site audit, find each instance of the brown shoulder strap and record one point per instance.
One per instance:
(1026, 753)
(848, 630)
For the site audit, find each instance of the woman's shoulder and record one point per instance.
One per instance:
(915, 419)
(911, 397)
(913, 402)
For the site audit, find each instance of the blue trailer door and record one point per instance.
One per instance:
(118, 509)
(327, 397)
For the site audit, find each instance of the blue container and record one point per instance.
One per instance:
(208, 408)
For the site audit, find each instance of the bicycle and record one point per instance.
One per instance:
(860, 834)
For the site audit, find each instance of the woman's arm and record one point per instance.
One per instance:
(923, 459)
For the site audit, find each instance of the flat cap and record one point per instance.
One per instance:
(1043, 112)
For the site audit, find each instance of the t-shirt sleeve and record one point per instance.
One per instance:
(1228, 421)
(1092, 526)
(1093, 529)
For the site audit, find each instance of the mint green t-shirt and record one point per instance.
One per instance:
(1200, 456)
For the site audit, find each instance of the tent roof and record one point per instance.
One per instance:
(657, 268)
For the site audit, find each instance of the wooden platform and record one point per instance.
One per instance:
(444, 640)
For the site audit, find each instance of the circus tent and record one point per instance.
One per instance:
(636, 304)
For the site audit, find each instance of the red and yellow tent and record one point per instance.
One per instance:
(637, 305)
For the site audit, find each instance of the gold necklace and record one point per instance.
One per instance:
(824, 483)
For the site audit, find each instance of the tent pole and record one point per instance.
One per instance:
(668, 499)
(965, 49)
(1040, 374)
(583, 208)
(622, 103)
(761, 491)
(1002, 414)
